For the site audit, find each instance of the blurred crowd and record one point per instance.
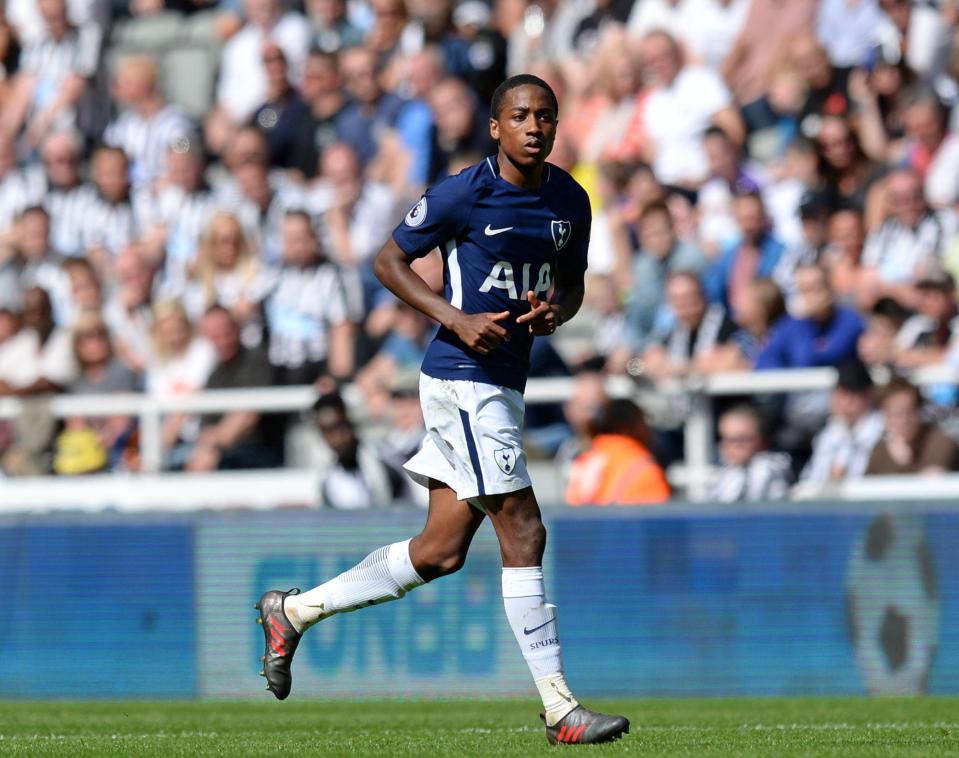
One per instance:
(192, 191)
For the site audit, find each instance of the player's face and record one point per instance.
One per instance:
(526, 125)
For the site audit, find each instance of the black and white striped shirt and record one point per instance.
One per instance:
(265, 228)
(147, 140)
(304, 306)
(111, 226)
(52, 61)
(69, 210)
(766, 477)
(897, 251)
(19, 189)
(184, 217)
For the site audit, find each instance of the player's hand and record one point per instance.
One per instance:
(481, 331)
(542, 317)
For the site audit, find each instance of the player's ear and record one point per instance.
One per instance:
(494, 128)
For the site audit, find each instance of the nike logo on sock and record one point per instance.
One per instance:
(491, 232)
(530, 631)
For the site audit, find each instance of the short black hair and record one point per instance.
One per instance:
(496, 103)
(330, 400)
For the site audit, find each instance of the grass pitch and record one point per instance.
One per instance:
(722, 727)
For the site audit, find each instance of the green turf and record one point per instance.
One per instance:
(721, 727)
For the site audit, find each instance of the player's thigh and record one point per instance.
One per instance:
(518, 523)
(450, 525)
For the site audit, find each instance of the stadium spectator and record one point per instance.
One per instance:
(180, 363)
(607, 124)
(877, 344)
(821, 333)
(355, 215)
(618, 468)
(586, 399)
(129, 308)
(259, 197)
(826, 86)
(229, 273)
(909, 446)
(60, 188)
(768, 26)
(480, 59)
(682, 102)
(401, 352)
(38, 359)
(927, 148)
(309, 318)
(86, 292)
(406, 432)
(749, 471)
(762, 309)
(609, 347)
(392, 31)
(238, 439)
(727, 178)
(699, 338)
(319, 128)
(357, 477)
(91, 444)
(845, 237)
(278, 116)
(37, 264)
(461, 125)
(926, 336)
(847, 30)
(371, 109)
(109, 222)
(243, 80)
(911, 237)
(176, 212)
(53, 75)
(754, 252)
(841, 450)
(915, 32)
(847, 174)
(147, 125)
(660, 255)
(332, 29)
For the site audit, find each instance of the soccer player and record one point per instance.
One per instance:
(513, 231)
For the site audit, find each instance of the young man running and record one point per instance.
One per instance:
(512, 230)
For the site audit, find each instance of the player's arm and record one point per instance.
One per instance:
(478, 331)
(545, 317)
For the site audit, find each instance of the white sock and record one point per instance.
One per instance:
(385, 574)
(534, 625)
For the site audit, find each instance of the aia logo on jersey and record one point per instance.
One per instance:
(561, 231)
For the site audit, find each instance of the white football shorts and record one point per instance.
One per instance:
(473, 439)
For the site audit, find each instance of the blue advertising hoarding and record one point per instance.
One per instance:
(831, 600)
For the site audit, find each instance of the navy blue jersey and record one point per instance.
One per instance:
(498, 242)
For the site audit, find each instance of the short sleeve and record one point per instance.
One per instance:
(440, 215)
(578, 258)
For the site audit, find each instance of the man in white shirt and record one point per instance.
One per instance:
(683, 102)
(841, 450)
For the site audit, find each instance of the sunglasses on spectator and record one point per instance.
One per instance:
(93, 334)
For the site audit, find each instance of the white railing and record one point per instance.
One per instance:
(693, 474)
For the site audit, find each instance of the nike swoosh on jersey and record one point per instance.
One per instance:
(491, 232)
(530, 631)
